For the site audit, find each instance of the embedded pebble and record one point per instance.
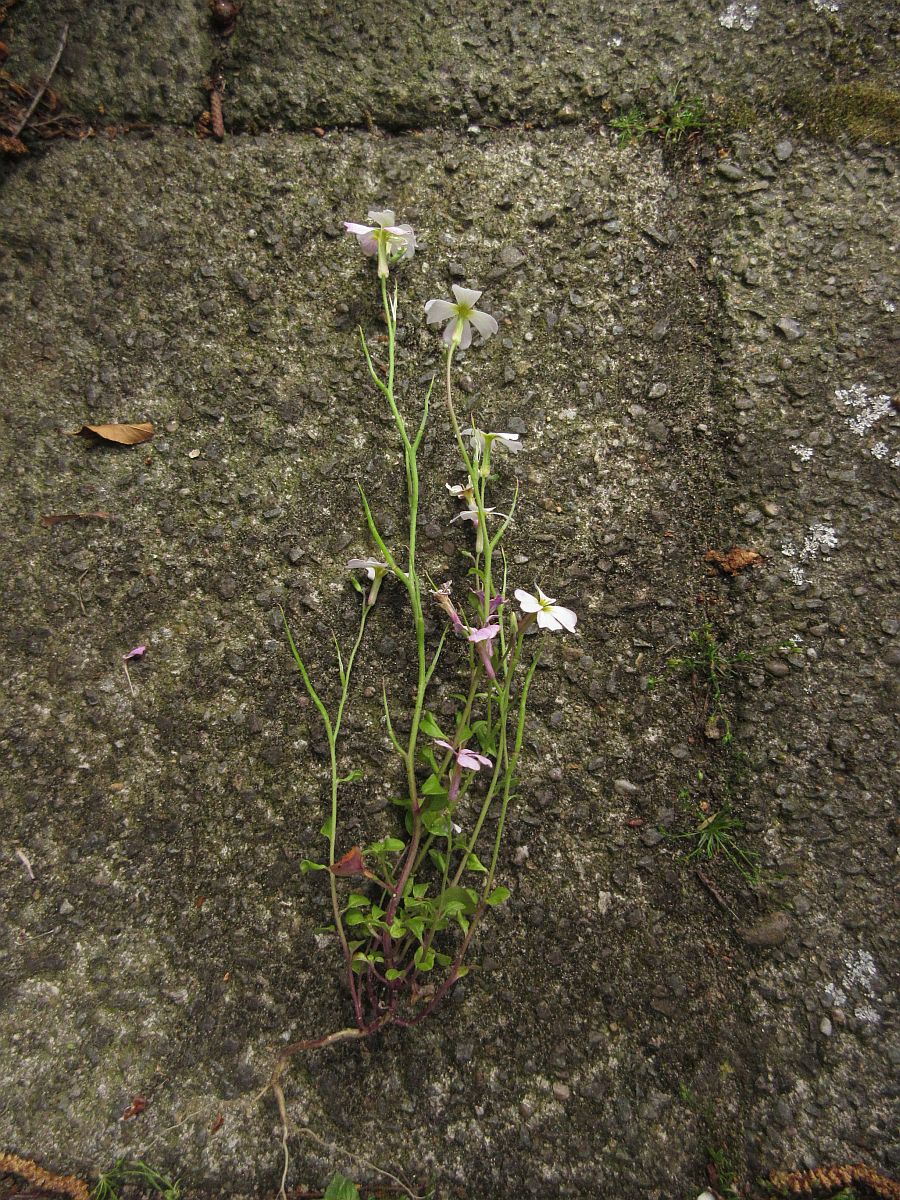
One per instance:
(769, 932)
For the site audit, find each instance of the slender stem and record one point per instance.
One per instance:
(510, 772)
(476, 481)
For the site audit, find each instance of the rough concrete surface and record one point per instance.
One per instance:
(698, 344)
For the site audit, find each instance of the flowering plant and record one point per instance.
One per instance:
(406, 907)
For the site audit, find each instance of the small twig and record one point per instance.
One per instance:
(78, 590)
(714, 892)
(38, 96)
(25, 861)
(128, 676)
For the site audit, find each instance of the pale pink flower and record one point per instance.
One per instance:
(465, 760)
(469, 760)
(137, 652)
(460, 317)
(442, 595)
(483, 640)
(550, 615)
(391, 242)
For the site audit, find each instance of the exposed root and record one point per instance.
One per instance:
(274, 1086)
(829, 1179)
(47, 1181)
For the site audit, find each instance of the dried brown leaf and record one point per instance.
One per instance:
(58, 518)
(351, 864)
(12, 145)
(736, 559)
(134, 1109)
(122, 434)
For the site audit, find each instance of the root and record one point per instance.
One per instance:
(48, 1181)
(274, 1086)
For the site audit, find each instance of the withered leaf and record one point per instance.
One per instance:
(12, 145)
(134, 1109)
(734, 560)
(351, 863)
(58, 518)
(123, 434)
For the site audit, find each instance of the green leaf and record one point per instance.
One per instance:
(427, 756)
(433, 787)
(306, 865)
(438, 859)
(392, 973)
(498, 896)
(327, 829)
(419, 890)
(429, 726)
(485, 735)
(417, 926)
(424, 959)
(437, 823)
(458, 900)
(357, 900)
(341, 1188)
(397, 929)
(474, 863)
(388, 845)
(352, 777)
(355, 917)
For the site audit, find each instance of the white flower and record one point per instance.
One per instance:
(464, 492)
(550, 615)
(391, 242)
(484, 441)
(471, 514)
(374, 569)
(371, 566)
(460, 317)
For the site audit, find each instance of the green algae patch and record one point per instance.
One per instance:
(862, 111)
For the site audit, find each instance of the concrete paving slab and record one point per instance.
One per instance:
(459, 64)
(296, 66)
(122, 62)
(697, 357)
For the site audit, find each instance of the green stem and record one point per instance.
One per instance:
(477, 486)
(510, 773)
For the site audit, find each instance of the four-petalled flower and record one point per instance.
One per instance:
(391, 242)
(550, 615)
(466, 760)
(460, 317)
(471, 514)
(483, 640)
(375, 571)
(483, 442)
